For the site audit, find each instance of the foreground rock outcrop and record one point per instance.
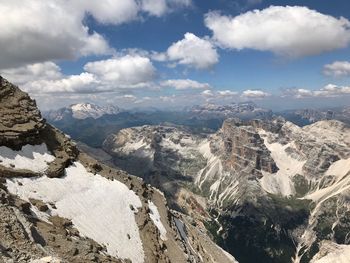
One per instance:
(20, 120)
(58, 204)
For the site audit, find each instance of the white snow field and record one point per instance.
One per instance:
(99, 208)
(281, 182)
(31, 157)
(155, 216)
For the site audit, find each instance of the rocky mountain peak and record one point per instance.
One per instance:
(20, 119)
(244, 147)
(86, 110)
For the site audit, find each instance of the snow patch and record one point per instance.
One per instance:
(34, 158)
(339, 169)
(334, 253)
(280, 182)
(155, 216)
(99, 208)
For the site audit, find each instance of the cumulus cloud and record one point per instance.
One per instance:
(291, 31)
(220, 95)
(207, 93)
(127, 70)
(82, 83)
(254, 94)
(37, 31)
(21, 75)
(117, 73)
(192, 51)
(155, 7)
(183, 84)
(161, 7)
(337, 69)
(329, 90)
(227, 93)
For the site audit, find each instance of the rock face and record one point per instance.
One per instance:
(265, 189)
(244, 147)
(63, 212)
(20, 120)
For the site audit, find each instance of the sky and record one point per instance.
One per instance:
(177, 53)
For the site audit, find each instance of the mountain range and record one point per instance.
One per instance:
(164, 187)
(91, 124)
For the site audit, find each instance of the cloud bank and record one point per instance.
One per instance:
(38, 31)
(290, 31)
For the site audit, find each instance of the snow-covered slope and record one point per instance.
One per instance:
(99, 208)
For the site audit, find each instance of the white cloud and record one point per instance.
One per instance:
(22, 75)
(193, 51)
(109, 11)
(155, 7)
(332, 90)
(183, 84)
(337, 69)
(329, 90)
(161, 7)
(127, 70)
(83, 83)
(115, 74)
(290, 31)
(37, 31)
(227, 93)
(254, 94)
(207, 93)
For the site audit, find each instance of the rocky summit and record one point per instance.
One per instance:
(58, 204)
(264, 189)
(20, 120)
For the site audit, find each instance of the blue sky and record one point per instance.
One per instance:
(171, 54)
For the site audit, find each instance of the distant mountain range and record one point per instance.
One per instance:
(91, 124)
(307, 116)
(81, 111)
(247, 110)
